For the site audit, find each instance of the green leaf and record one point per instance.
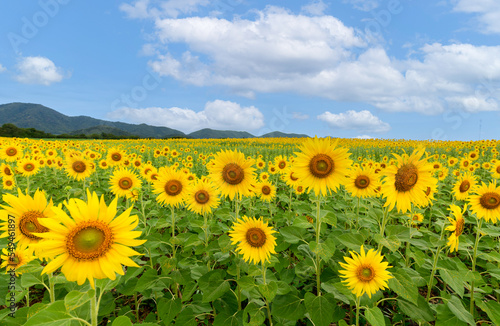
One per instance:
(319, 308)
(374, 316)
(445, 317)
(403, 285)
(225, 319)
(268, 290)
(168, 309)
(288, 306)
(420, 312)
(458, 309)
(302, 222)
(492, 309)
(454, 279)
(187, 317)
(76, 299)
(29, 279)
(122, 321)
(292, 234)
(53, 315)
(214, 292)
(324, 249)
(351, 240)
(147, 280)
(392, 243)
(253, 315)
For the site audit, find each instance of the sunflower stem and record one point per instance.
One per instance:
(136, 307)
(382, 226)
(290, 206)
(434, 265)
(28, 184)
(28, 297)
(264, 272)
(173, 227)
(237, 209)
(94, 309)
(474, 257)
(51, 288)
(318, 260)
(238, 288)
(358, 299)
(357, 213)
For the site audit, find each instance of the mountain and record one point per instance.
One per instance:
(217, 134)
(279, 134)
(28, 115)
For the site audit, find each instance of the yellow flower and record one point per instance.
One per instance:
(362, 182)
(495, 170)
(115, 156)
(170, 186)
(485, 203)
(408, 182)
(78, 167)
(28, 167)
(365, 272)
(321, 166)
(123, 181)
(463, 186)
(12, 260)
(202, 197)
(92, 242)
(266, 191)
(232, 173)
(457, 226)
(11, 152)
(255, 239)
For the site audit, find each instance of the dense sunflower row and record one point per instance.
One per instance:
(101, 189)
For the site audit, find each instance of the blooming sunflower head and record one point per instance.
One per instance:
(365, 272)
(13, 260)
(321, 166)
(123, 182)
(78, 167)
(457, 226)
(28, 166)
(362, 182)
(170, 186)
(254, 238)
(485, 203)
(463, 186)
(202, 197)
(92, 242)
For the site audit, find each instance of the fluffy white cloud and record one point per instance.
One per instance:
(155, 9)
(316, 7)
(487, 11)
(299, 116)
(38, 70)
(363, 121)
(363, 5)
(2, 68)
(364, 137)
(219, 114)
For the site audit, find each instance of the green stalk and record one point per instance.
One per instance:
(238, 288)
(474, 257)
(28, 298)
(358, 299)
(357, 214)
(290, 206)
(382, 226)
(94, 309)
(265, 299)
(51, 288)
(433, 271)
(318, 260)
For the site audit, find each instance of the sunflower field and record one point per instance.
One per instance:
(284, 231)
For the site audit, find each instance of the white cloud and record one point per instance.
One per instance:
(38, 70)
(363, 121)
(299, 116)
(219, 114)
(2, 68)
(363, 5)
(364, 137)
(142, 9)
(316, 7)
(487, 11)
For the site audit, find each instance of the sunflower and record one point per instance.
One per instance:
(78, 167)
(485, 203)
(115, 156)
(291, 177)
(264, 176)
(91, 243)
(365, 272)
(452, 161)
(457, 226)
(202, 197)
(28, 166)
(255, 239)
(281, 163)
(122, 183)
(320, 166)
(170, 186)
(6, 171)
(362, 182)
(266, 191)
(11, 152)
(408, 181)
(462, 188)
(8, 183)
(465, 163)
(495, 170)
(442, 174)
(27, 212)
(12, 260)
(416, 218)
(232, 173)
(299, 189)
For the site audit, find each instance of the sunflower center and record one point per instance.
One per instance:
(406, 178)
(89, 240)
(321, 166)
(466, 164)
(490, 200)
(365, 273)
(233, 174)
(116, 157)
(292, 177)
(7, 171)
(256, 237)
(300, 188)
(201, 196)
(14, 260)
(8, 183)
(79, 166)
(173, 187)
(459, 228)
(11, 151)
(498, 169)
(362, 182)
(28, 167)
(282, 165)
(28, 223)
(125, 183)
(464, 186)
(266, 190)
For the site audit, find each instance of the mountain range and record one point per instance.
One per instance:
(29, 115)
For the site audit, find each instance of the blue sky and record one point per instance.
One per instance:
(345, 68)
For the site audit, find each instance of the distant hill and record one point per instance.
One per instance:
(279, 134)
(218, 134)
(42, 118)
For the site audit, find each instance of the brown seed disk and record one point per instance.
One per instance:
(233, 174)
(365, 273)
(173, 187)
(11, 151)
(256, 237)
(89, 240)
(498, 169)
(266, 190)
(490, 200)
(406, 178)
(321, 166)
(460, 227)
(125, 183)
(28, 223)
(79, 166)
(28, 167)
(116, 157)
(292, 177)
(201, 196)
(464, 186)
(362, 182)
